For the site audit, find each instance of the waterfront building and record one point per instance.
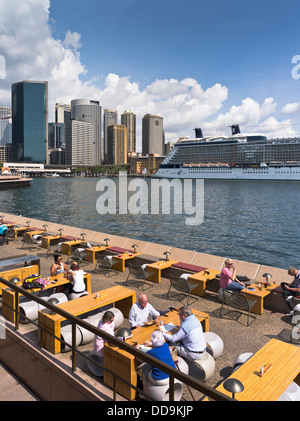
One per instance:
(6, 152)
(79, 136)
(57, 156)
(90, 111)
(117, 144)
(62, 113)
(145, 164)
(5, 130)
(5, 111)
(30, 121)
(128, 119)
(56, 135)
(110, 117)
(152, 135)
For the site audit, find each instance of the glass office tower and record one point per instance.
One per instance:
(30, 121)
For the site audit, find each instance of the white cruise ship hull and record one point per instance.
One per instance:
(232, 173)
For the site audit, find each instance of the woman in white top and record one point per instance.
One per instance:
(76, 276)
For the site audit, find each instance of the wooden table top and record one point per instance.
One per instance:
(285, 367)
(143, 333)
(161, 264)
(257, 292)
(92, 302)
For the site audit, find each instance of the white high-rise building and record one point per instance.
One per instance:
(79, 137)
(89, 111)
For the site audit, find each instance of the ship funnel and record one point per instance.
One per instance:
(235, 129)
(198, 133)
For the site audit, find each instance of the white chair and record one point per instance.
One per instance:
(62, 298)
(291, 393)
(220, 295)
(202, 369)
(242, 358)
(119, 318)
(94, 368)
(159, 389)
(215, 344)
(66, 336)
(30, 310)
(182, 365)
(40, 306)
(74, 295)
(86, 335)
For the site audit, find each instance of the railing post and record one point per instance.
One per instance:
(73, 346)
(171, 388)
(17, 315)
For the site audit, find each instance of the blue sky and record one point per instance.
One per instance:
(215, 61)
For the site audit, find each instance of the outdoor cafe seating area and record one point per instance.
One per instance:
(114, 278)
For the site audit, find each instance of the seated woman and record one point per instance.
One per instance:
(161, 351)
(106, 324)
(228, 279)
(58, 266)
(76, 276)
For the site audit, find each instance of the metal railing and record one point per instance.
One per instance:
(140, 355)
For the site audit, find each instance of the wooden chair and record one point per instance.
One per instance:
(238, 301)
(182, 285)
(139, 274)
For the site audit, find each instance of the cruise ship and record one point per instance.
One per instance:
(235, 157)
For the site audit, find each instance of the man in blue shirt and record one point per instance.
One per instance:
(291, 290)
(189, 340)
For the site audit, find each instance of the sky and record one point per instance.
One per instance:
(197, 63)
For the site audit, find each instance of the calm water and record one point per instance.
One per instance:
(256, 221)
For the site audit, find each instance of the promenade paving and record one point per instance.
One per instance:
(233, 329)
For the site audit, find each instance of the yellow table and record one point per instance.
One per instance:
(258, 295)
(156, 269)
(123, 298)
(285, 368)
(8, 295)
(124, 364)
(90, 253)
(66, 246)
(50, 239)
(201, 278)
(121, 260)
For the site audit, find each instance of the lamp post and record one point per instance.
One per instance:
(167, 254)
(267, 277)
(234, 386)
(124, 332)
(106, 241)
(60, 231)
(134, 246)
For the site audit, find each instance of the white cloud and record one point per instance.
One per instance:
(291, 108)
(32, 53)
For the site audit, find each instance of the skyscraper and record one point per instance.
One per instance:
(62, 113)
(89, 111)
(117, 144)
(129, 120)
(30, 121)
(110, 117)
(152, 134)
(79, 143)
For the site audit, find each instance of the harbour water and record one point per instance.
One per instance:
(255, 221)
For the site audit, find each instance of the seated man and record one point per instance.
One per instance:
(192, 344)
(292, 289)
(140, 311)
(228, 279)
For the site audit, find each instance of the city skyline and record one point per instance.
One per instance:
(207, 64)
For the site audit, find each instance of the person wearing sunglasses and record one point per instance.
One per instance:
(58, 266)
(228, 279)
